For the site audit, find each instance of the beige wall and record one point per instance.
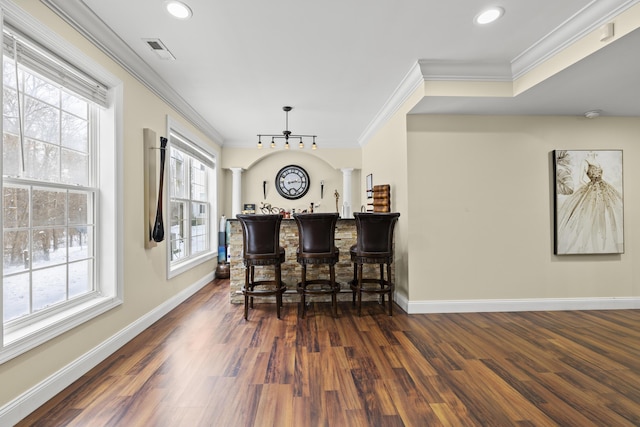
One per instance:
(322, 164)
(145, 285)
(385, 157)
(481, 208)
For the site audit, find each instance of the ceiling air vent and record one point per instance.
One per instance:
(159, 48)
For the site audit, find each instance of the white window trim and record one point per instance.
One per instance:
(110, 214)
(180, 267)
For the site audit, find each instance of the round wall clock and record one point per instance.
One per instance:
(292, 182)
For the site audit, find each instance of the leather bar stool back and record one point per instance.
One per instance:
(316, 247)
(261, 247)
(374, 246)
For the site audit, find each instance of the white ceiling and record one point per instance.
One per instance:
(339, 63)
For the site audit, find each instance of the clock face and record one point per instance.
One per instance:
(292, 182)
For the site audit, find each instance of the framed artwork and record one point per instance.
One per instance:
(249, 208)
(588, 201)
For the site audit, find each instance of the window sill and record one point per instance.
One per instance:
(24, 338)
(181, 267)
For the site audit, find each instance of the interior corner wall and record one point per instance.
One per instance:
(384, 156)
(480, 189)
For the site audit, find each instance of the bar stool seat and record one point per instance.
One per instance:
(261, 247)
(374, 246)
(316, 233)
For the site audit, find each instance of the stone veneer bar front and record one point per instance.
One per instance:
(345, 237)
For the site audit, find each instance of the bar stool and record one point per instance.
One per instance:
(374, 246)
(261, 247)
(316, 233)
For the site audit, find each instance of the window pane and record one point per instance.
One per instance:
(178, 220)
(79, 208)
(15, 294)
(42, 161)
(80, 239)
(178, 229)
(198, 244)
(80, 281)
(11, 121)
(49, 207)
(49, 287)
(16, 207)
(178, 172)
(199, 227)
(75, 168)
(178, 249)
(75, 133)
(16, 251)
(41, 121)
(49, 247)
(198, 180)
(74, 105)
(11, 155)
(40, 89)
(9, 73)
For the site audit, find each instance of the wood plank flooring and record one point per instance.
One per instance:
(204, 365)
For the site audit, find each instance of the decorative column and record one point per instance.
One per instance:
(236, 191)
(346, 192)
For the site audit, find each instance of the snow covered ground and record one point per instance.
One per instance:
(49, 283)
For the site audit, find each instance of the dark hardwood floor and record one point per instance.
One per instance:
(204, 365)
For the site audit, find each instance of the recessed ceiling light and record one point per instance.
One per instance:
(177, 9)
(489, 15)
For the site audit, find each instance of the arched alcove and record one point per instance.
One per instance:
(325, 179)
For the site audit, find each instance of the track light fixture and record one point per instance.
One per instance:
(286, 134)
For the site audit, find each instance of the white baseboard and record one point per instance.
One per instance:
(36, 396)
(526, 304)
(401, 300)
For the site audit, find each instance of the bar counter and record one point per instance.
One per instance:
(345, 237)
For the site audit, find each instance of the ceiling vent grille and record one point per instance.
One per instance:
(160, 49)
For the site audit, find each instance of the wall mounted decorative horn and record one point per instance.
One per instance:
(158, 226)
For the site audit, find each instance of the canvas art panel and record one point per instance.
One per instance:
(588, 202)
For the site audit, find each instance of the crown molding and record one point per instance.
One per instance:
(82, 19)
(586, 20)
(483, 71)
(411, 81)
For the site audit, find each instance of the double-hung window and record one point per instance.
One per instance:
(192, 195)
(54, 236)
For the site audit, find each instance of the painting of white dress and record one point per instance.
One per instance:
(588, 202)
